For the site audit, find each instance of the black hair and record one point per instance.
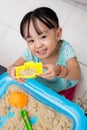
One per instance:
(46, 15)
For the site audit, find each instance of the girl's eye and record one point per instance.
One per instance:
(30, 41)
(43, 37)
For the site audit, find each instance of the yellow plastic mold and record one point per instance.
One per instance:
(29, 70)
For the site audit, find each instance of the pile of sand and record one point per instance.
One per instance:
(47, 119)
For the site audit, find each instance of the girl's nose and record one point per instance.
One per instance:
(39, 44)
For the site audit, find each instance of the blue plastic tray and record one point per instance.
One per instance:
(49, 98)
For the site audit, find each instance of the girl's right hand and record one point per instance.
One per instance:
(12, 73)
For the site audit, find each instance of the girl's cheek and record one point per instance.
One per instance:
(31, 48)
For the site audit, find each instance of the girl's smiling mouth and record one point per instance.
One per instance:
(41, 51)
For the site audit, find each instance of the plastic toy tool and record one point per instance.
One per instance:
(29, 70)
(26, 119)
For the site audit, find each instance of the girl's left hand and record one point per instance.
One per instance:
(51, 71)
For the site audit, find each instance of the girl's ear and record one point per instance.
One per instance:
(59, 33)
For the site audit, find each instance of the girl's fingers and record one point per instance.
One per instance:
(46, 73)
(20, 80)
(47, 77)
(45, 66)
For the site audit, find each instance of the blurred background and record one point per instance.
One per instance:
(73, 20)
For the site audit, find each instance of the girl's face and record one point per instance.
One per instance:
(44, 45)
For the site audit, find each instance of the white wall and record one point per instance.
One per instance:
(73, 20)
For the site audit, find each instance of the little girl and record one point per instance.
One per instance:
(40, 28)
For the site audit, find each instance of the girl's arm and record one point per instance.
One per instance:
(71, 71)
